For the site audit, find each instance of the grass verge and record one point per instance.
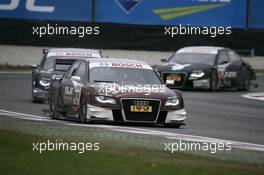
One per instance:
(17, 157)
(8, 67)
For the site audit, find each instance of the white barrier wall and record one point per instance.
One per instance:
(26, 55)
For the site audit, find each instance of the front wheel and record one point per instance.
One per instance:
(83, 109)
(214, 81)
(52, 105)
(245, 80)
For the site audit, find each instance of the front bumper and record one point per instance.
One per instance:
(176, 116)
(99, 113)
(40, 93)
(203, 83)
(193, 84)
(185, 81)
(112, 115)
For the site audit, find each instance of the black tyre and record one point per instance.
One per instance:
(52, 105)
(37, 100)
(214, 81)
(83, 109)
(245, 80)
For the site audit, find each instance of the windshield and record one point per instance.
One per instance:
(62, 63)
(193, 58)
(124, 75)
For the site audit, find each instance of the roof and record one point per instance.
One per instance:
(200, 49)
(117, 62)
(72, 50)
(113, 60)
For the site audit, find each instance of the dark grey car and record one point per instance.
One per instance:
(54, 63)
(206, 68)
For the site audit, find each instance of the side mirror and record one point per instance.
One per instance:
(223, 62)
(45, 51)
(76, 78)
(33, 66)
(164, 60)
(169, 82)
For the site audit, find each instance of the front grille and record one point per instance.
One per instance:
(140, 116)
(177, 83)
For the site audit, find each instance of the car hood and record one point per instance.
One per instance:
(133, 91)
(182, 67)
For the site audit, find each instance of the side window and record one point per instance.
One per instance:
(81, 71)
(233, 56)
(222, 57)
(72, 70)
(49, 64)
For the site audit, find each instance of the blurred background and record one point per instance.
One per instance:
(134, 24)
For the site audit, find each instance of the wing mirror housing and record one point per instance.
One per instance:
(169, 82)
(164, 60)
(33, 66)
(223, 62)
(76, 78)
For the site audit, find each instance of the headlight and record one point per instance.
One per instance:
(197, 74)
(105, 100)
(44, 83)
(172, 102)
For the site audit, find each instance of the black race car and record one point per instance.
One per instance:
(206, 68)
(53, 65)
(115, 90)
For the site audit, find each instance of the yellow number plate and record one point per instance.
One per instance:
(175, 78)
(138, 108)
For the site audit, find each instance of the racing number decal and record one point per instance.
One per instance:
(76, 93)
(230, 74)
(222, 73)
(225, 74)
(68, 90)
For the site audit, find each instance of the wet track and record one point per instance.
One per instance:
(222, 115)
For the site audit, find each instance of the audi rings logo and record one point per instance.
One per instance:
(141, 103)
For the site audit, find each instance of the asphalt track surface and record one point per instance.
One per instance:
(222, 115)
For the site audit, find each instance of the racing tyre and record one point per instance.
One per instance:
(83, 109)
(52, 105)
(37, 100)
(245, 80)
(214, 81)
